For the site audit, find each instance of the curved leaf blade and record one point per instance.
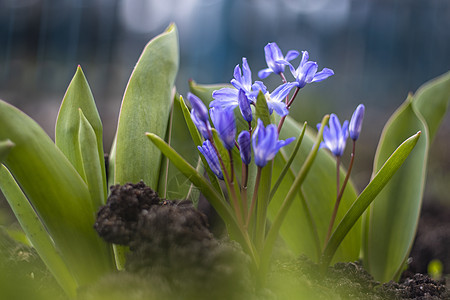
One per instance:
(146, 107)
(78, 96)
(92, 167)
(36, 232)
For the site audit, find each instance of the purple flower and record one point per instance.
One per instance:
(242, 79)
(208, 151)
(266, 144)
(356, 122)
(199, 107)
(273, 55)
(203, 127)
(227, 98)
(223, 120)
(244, 145)
(275, 100)
(307, 71)
(244, 106)
(335, 136)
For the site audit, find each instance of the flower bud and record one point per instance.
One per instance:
(245, 149)
(356, 122)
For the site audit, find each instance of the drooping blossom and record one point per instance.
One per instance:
(265, 143)
(225, 124)
(208, 151)
(245, 147)
(275, 100)
(273, 56)
(244, 106)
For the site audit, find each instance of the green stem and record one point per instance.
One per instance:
(255, 196)
(340, 191)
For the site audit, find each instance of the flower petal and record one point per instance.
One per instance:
(324, 74)
(292, 54)
(264, 73)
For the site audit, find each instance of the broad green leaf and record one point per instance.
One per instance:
(390, 227)
(92, 165)
(36, 232)
(368, 195)
(58, 194)
(145, 107)
(78, 96)
(5, 147)
(392, 220)
(319, 190)
(431, 101)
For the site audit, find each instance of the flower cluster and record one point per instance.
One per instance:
(259, 142)
(244, 94)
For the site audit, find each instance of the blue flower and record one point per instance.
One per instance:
(335, 136)
(203, 127)
(210, 155)
(242, 79)
(356, 122)
(244, 147)
(227, 98)
(307, 71)
(273, 55)
(275, 100)
(223, 120)
(199, 107)
(266, 144)
(244, 106)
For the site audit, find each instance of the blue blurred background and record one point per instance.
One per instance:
(380, 51)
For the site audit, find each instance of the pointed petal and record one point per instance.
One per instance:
(264, 73)
(309, 70)
(292, 54)
(247, 77)
(324, 74)
(278, 107)
(305, 58)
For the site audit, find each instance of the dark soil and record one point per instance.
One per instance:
(173, 255)
(172, 250)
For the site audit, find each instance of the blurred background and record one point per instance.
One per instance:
(380, 51)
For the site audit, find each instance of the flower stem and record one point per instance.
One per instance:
(244, 182)
(255, 196)
(288, 105)
(340, 193)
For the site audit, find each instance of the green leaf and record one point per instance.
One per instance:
(368, 195)
(92, 167)
(78, 96)
(36, 232)
(390, 227)
(145, 107)
(431, 101)
(58, 194)
(262, 110)
(5, 147)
